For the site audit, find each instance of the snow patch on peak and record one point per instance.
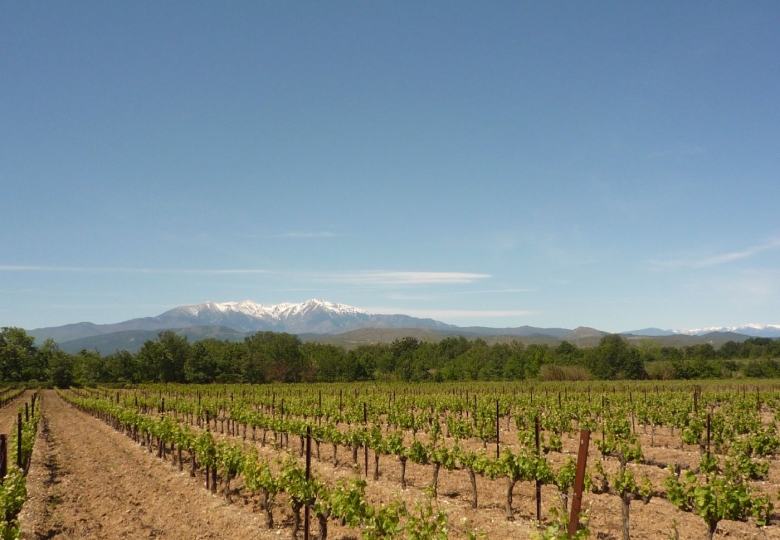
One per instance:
(274, 312)
(749, 329)
(313, 304)
(762, 326)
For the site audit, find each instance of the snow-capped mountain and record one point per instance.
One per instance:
(322, 317)
(275, 312)
(755, 330)
(309, 317)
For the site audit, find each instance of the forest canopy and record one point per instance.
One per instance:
(281, 357)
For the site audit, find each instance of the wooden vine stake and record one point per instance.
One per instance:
(308, 475)
(579, 482)
(19, 441)
(497, 417)
(365, 445)
(538, 482)
(3, 457)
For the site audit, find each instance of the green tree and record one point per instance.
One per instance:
(89, 367)
(255, 362)
(17, 352)
(650, 350)
(175, 350)
(201, 364)
(451, 347)
(61, 369)
(730, 350)
(566, 354)
(148, 359)
(475, 363)
(279, 356)
(535, 356)
(615, 358)
(328, 361)
(37, 366)
(121, 367)
(357, 367)
(230, 357)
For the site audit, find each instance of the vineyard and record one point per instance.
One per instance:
(493, 460)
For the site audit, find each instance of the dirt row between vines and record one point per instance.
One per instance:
(89, 481)
(8, 417)
(657, 520)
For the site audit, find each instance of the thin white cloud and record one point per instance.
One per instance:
(227, 271)
(297, 234)
(361, 277)
(115, 270)
(22, 291)
(432, 296)
(504, 241)
(23, 268)
(683, 150)
(113, 306)
(493, 291)
(48, 293)
(379, 277)
(723, 258)
(753, 287)
(454, 313)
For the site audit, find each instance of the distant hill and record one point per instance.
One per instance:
(133, 340)
(68, 332)
(655, 332)
(724, 336)
(749, 330)
(520, 331)
(370, 336)
(312, 316)
(317, 317)
(716, 339)
(328, 322)
(584, 336)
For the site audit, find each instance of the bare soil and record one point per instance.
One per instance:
(8, 416)
(89, 481)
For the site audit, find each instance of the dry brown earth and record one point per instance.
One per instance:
(89, 481)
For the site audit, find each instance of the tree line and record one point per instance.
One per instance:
(281, 357)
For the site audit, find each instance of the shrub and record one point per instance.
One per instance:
(552, 372)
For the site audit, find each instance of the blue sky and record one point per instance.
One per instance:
(611, 164)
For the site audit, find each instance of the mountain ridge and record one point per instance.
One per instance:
(321, 317)
(133, 340)
(752, 330)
